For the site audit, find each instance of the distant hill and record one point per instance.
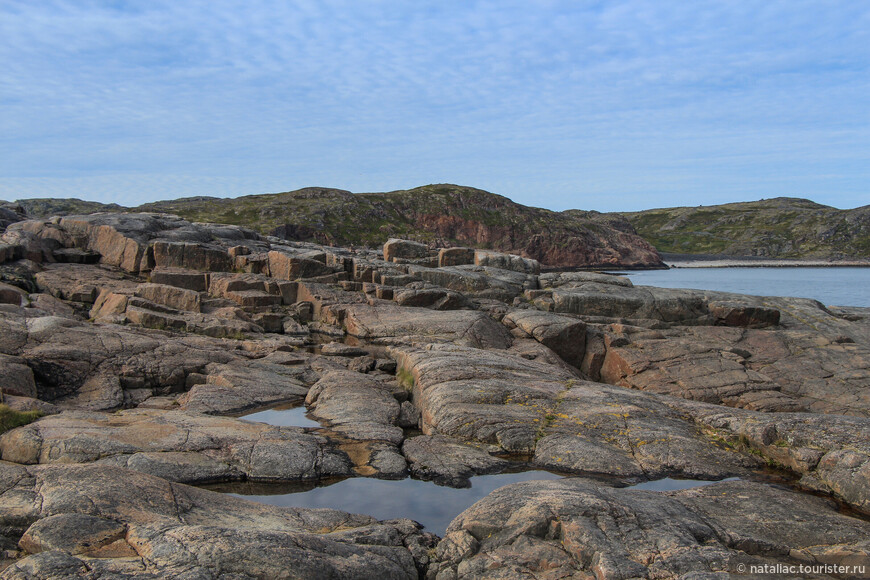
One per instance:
(783, 227)
(442, 215)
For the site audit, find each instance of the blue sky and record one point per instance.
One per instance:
(613, 106)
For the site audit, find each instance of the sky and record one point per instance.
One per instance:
(608, 106)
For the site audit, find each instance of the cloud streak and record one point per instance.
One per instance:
(610, 106)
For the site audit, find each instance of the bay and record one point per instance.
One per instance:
(830, 286)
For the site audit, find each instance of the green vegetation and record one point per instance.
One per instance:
(775, 228)
(10, 419)
(431, 213)
(452, 214)
(405, 378)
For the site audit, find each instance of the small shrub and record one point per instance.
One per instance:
(405, 378)
(10, 419)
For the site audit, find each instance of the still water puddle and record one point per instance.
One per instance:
(432, 505)
(293, 415)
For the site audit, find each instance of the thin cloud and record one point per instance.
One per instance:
(600, 105)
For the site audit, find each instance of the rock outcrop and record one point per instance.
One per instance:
(137, 340)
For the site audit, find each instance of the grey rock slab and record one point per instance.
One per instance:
(176, 445)
(231, 388)
(447, 461)
(564, 335)
(567, 424)
(464, 327)
(577, 528)
(180, 531)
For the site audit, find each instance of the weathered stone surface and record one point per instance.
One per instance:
(464, 327)
(287, 267)
(191, 256)
(478, 281)
(171, 296)
(358, 406)
(77, 363)
(176, 445)
(574, 279)
(231, 388)
(530, 407)
(12, 295)
(83, 283)
(614, 301)
(341, 349)
(51, 305)
(16, 378)
(579, 529)
(731, 314)
(479, 383)
(180, 278)
(447, 461)
(831, 453)
(565, 336)
(506, 262)
(783, 370)
(78, 534)
(455, 256)
(434, 298)
(365, 412)
(180, 531)
(396, 248)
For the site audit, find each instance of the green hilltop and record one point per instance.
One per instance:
(782, 227)
(448, 214)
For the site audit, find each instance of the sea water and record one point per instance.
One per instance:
(830, 286)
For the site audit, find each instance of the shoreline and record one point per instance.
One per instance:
(738, 263)
(720, 261)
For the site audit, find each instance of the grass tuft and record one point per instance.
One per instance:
(10, 418)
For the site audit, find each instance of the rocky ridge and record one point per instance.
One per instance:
(142, 338)
(438, 215)
(782, 227)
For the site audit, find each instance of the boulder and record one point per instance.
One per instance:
(191, 256)
(736, 314)
(434, 298)
(565, 336)
(180, 278)
(404, 249)
(12, 295)
(463, 326)
(455, 256)
(16, 378)
(174, 297)
(448, 461)
(506, 262)
(286, 267)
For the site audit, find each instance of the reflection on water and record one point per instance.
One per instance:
(432, 505)
(283, 416)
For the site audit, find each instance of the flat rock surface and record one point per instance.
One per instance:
(163, 529)
(176, 445)
(567, 424)
(579, 529)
